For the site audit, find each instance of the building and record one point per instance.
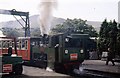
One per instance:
(119, 11)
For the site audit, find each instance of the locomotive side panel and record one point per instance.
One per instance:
(50, 56)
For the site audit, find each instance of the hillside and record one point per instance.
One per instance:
(95, 24)
(34, 23)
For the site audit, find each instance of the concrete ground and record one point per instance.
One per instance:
(34, 72)
(97, 65)
(100, 66)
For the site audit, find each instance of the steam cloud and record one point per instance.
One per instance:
(46, 9)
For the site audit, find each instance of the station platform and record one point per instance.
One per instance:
(99, 65)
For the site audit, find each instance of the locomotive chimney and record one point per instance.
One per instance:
(44, 38)
(44, 35)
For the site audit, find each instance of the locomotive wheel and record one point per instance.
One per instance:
(59, 68)
(11, 73)
(18, 69)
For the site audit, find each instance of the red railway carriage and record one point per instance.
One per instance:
(11, 62)
(5, 43)
(29, 49)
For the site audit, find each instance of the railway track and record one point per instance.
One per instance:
(87, 73)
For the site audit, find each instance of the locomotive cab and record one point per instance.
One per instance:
(65, 52)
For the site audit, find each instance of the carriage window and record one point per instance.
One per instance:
(18, 44)
(13, 44)
(35, 46)
(10, 43)
(24, 44)
(0, 44)
(5, 44)
(35, 43)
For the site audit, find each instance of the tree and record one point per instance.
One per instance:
(75, 26)
(10, 32)
(118, 41)
(113, 36)
(108, 36)
(103, 36)
(103, 28)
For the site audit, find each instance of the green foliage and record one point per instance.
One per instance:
(9, 32)
(109, 36)
(75, 26)
(18, 32)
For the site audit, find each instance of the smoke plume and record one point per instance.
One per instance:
(46, 9)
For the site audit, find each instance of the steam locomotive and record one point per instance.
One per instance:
(61, 52)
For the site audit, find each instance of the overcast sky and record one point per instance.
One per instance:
(92, 10)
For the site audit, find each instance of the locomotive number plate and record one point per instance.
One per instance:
(73, 56)
(7, 68)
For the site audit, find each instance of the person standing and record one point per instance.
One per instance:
(110, 57)
(10, 51)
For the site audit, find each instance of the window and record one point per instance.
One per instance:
(24, 44)
(35, 46)
(0, 44)
(73, 42)
(6, 44)
(13, 44)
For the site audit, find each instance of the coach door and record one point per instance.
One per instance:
(58, 47)
(23, 49)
